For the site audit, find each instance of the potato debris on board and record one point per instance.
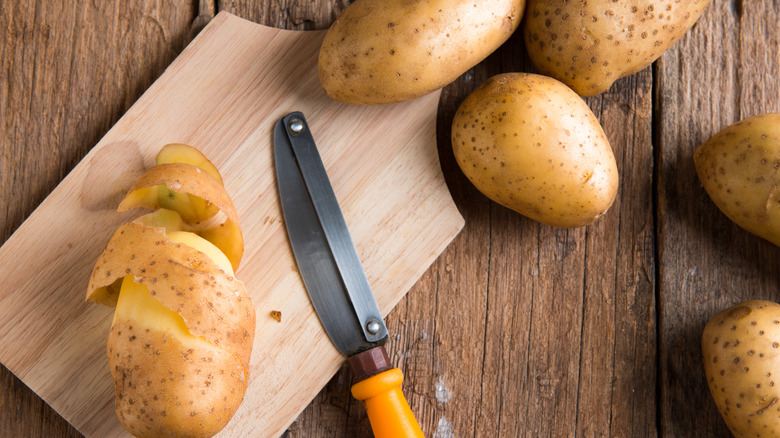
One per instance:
(181, 338)
(277, 315)
(741, 351)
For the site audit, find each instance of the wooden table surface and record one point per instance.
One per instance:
(519, 329)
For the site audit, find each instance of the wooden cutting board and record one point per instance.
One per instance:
(223, 95)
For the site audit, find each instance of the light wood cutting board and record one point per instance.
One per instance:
(223, 95)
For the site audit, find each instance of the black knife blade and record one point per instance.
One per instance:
(334, 278)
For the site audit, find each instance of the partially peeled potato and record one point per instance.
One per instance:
(183, 328)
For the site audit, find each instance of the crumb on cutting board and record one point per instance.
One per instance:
(277, 315)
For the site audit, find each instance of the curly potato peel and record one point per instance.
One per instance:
(193, 208)
(196, 194)
(182, 153)
(212, 303)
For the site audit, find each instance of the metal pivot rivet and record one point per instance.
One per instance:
(373, 327)
(296, 126)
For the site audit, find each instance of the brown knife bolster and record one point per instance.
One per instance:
(368, 363)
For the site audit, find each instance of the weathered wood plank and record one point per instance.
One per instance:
(478, 336)
(560, 303)
(287, 14)
(534, 310)
(520, 331)
(722, 71)
(618, 374)
(68, 71)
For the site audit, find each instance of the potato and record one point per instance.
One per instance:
(739, 168)
(531, 144)
(387, 51)
(182, 333)
(192, 192)
(148, 342)
(741, 351)
(589, 45)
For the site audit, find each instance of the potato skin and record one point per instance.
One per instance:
(741, 353)
(531, 144)
(214, 304)
(589, 45)
(187, 180)
(164, 389)
(739, 168)
(387, 51)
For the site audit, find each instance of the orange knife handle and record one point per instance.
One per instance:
(386, 405)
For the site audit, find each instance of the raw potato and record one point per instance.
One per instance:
(741, 350)
(740, 170)
(531, 144)
(194, 209)
(387, 51)
(589, 45)
(182, 333)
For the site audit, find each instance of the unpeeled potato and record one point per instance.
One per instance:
(589, 45)
(741, 351)
(739, 168)
(387, 51)
(531, 144)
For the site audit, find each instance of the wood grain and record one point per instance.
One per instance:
(517, 329)
(224, 93)
(68, 71)
(512, 290)
(724, 70)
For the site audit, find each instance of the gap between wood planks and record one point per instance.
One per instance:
(655, 137)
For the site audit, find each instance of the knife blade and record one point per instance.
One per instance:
(334, 277)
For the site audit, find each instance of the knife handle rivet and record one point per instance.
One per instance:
(373, 327)
(296, 126)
